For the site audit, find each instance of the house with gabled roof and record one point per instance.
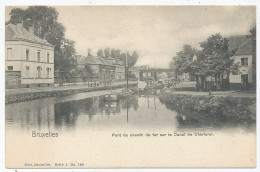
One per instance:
(103, 71)
(119, 68)
(242, 47)
(29, 60)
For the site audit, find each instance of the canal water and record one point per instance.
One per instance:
(80, 111)
(91, 133)
(88, 111)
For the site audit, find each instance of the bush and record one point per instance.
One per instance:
(214, 108)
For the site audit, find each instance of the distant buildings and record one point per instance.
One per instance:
(242, 45)
(153, 75)
(185, 77)
(119, 68)
(148, 75)
(134, 73)
(104, 71)
(29, 60)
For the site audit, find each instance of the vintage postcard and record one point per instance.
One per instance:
(130, 86)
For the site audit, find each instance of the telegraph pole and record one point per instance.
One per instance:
(126, 71)
(147, 76)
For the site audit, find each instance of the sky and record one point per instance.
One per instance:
(157, 33)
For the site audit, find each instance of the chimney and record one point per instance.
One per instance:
(31, 29)
(89, 51)
(30, 26)
(20, 25)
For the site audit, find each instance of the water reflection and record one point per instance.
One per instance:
(31, 114)
(57, 113)
(188, 119)
(78, 112)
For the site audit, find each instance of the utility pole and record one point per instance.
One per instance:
(147, 76)
(126, 71)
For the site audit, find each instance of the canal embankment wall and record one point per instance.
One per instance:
(26, 96)
(237, 110)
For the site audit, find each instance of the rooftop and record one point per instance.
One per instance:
(242, 44)
(93, 60)
(104, 61)
(14, 32)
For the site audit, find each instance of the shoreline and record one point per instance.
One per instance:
(26, 96)
(214, 109)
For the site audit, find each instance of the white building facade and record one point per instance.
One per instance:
(28, 55)
(243, 78)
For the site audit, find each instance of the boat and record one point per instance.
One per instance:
(118, 96)
(111, 97)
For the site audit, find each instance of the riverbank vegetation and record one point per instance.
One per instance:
(212, 62)
(211, 110)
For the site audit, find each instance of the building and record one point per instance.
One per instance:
(134, 73)
(185, 77)
(253, 35)
(107, 72)
(29, 60)
(152, 75)
(119, 69)
(147, 75)
(103, 71)
(243, 78)
(164, 74)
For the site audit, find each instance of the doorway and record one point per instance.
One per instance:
(244, 82)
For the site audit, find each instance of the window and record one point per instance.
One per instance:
(38, 72)
(10, 68)
(27, 54)
(39, 56)
(9, 53)
(48, 58)
(48, 72)
(27, 73)
(244, 61)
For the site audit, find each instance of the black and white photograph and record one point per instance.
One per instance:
(152, 86)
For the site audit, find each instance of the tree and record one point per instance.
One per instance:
(16, 16)
(46, 26)
(85, 72)
(115, 53)
(131, 59)
(214, 60)
(44, 20)
(122, 58)
(65, 60)
(100, 53)
(107, 52)
(183, 60)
